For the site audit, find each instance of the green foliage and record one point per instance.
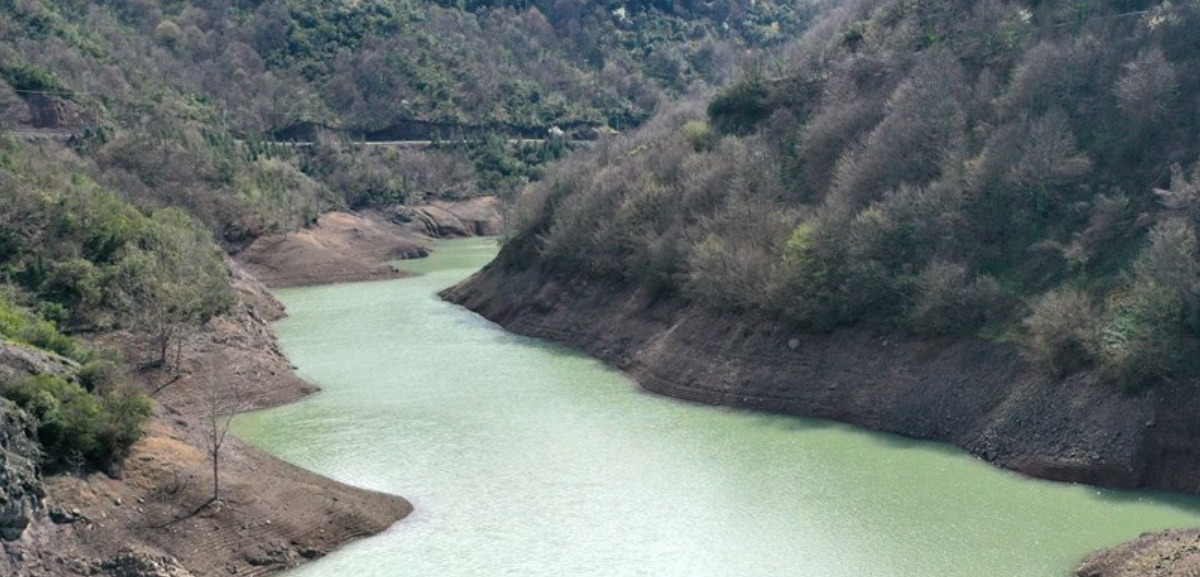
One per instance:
(1142, 341)
(376, 65)
(73, 422)
(1151, 323)
(808, 279)
(1063, 330)
(101, 375)
(94, 260)
(29, 77)
(739, 108)
(22, 326)
(700, 135)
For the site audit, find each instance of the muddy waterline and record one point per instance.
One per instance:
(526, 459)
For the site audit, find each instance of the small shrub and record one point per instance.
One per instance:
(947, 301)
(739, 108)
(101, 375)
(24, 327)
(1142, 342)
(699, 135)
(1063, 330)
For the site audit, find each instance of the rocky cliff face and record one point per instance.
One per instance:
(21, 491)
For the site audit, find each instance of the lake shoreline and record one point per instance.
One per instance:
(153, 516)
(1012, 415)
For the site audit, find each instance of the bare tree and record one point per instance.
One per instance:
(219, 399)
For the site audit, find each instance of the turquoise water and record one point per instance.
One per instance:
(526, 459)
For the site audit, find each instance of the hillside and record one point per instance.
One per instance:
(1020, 172)
(177, 103)
(267, 67)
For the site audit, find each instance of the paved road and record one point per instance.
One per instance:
(39, 134)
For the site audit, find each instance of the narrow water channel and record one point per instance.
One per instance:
(525, 459)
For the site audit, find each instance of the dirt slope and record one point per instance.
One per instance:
(351, 247)
(341, 247)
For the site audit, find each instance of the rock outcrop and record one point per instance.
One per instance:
(53, 112)
(442, 219)
(21, 491)
(17, 362)
(1174, 553)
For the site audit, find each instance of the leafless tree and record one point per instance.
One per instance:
(218, 400)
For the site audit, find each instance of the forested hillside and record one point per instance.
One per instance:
(171, 101)
(1022, 171)
(264, 67)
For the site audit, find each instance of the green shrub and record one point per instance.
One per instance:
(28, 77)
(101, 375)
(739, 108)
(71, 421)
(24, 327)
(1063, 330)
(807, 286)
(1142, 342)
(699, 135)
(948, 301)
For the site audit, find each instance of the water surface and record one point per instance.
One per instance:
(525, 459)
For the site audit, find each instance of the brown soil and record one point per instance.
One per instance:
(351, 247)
(984, 397)
(341, 247)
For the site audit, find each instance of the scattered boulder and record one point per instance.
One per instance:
(267, 555)
(62, 516)
(134, 564)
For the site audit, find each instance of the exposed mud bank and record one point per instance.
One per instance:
(352, 247)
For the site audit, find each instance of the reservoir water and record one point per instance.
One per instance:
(523, 458)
